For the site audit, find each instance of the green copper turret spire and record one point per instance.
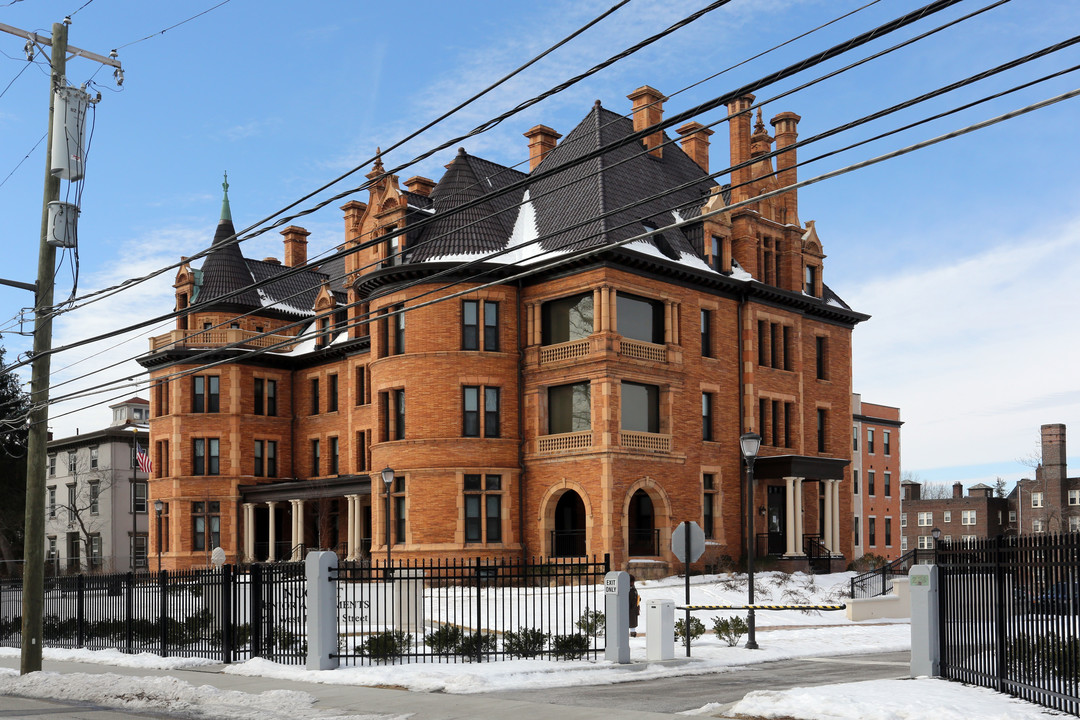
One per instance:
(226, 213)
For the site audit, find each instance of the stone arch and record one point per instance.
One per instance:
(635, 538)
(549, 521)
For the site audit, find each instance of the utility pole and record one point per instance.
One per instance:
(37, 445)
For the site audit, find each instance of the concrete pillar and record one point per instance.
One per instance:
(617, 616)
(322, 630)
(602, 311)
(271, 555)
(597, 302)
(925, 637)
(789, 517)
(798, 517)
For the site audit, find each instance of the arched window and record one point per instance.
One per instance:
(568, 537)
(641, 522)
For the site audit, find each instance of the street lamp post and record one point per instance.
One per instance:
(936, 532)
(750, 443)
(158, 506)
(388, 482)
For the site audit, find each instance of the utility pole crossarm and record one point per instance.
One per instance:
(71, 49)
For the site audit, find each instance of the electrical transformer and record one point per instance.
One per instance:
(69, 133)
(63, 222)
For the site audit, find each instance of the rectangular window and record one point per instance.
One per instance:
(708, 504)
(399, 509)
(789, 411)
(271, 458)
(314, 396)
(1074, 523)
(870, 440)
(788, 354)
(93, 458)
(569, 408)
(1036, 499)
(870, 483)
(763, 343)
(926, 519)
(95, 496)
(206, 394)
(1012, 516)
(822, 363)
(260, 466)
(52, 502)
(138, 499)
(138, 550)
(491, 412)
(206, 525)
(361, 387)
(71, 463)
(398, 397)
(706, 416)
(271, 397)
(640, 407)
(811, 281)
(640, 318)
(470, 324)
(946, 516)
(763, 414)
(858, 530)
(398, 323)
(888, 532)
(903, 543)
(871, 531)
(774, 345)
(926, 542)
(316, 464)
(706, 334)
(967, 517)
(714, 253)
(1037, 526)
(332, 393)
(822, 428)
(361, 450)
(855, 481)
(566, 319)
(335, 463)
(1074, 497)
(205, 456)
(855, 438)
(777, 434)
(886, 442)
(470, 411)
(259, 407)
(491, 326)
(483, 508)
(888, 484)
(52, 466)
(903, 520)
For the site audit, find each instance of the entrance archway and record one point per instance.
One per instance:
(641, 524)
(568, 537)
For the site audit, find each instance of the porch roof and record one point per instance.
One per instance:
(777, 467)
(334, 487)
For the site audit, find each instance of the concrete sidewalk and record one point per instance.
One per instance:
(342, 699)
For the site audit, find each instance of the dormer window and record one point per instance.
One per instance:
(811, 280)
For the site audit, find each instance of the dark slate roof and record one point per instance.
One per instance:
(295, 293)
(483, 228)
(618, 178)
(334, 270)
(225, 270)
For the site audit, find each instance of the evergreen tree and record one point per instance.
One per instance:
(13, 435)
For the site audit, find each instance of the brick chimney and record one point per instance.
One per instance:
(295, 245)
(695, 143)
(786, 125)
(957, 490)
(739, 131)
(420, 185)
(1053, 452)
(648, 104)
(542, 140)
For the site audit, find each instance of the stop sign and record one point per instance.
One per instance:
(697, 541)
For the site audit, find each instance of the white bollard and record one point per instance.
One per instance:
(617, 616)
(659, 630)
(925, 645)
(322, 616)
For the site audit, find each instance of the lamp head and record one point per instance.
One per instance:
(936, 532)
(158, 506)
(387, 476)
(750, 443)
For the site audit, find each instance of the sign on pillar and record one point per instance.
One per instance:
(617, 616)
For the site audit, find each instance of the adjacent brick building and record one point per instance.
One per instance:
(875, 478)
(560, 397)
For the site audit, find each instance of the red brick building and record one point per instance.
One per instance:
(563, 397)
(875, 478)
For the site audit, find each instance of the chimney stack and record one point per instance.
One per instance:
(739, 131)
(957, 490)
(295, 245)
(542, 140)
(786, 125)
(648, 104)
(695, 143)
(420, 185)
(1053, 451)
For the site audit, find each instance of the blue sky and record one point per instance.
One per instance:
(965, 253)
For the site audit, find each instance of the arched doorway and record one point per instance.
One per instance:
(568, 537)
(641, 523)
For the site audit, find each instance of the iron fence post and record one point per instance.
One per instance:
(255, 609)
(476, 635)
(999, 611)
(80, 610)
(129, 598)
(226, 613)
(163, 611)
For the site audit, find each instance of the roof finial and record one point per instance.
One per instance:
(759, 126)
(226, 212)
(378, 160)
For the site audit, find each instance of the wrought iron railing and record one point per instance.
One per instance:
(644, 542)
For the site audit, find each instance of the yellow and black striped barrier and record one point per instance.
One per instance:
(762, 607)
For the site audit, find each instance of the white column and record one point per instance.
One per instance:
(297, 553)
(350, 516)
(836, 516)
(827, 521)
(271, 554)
(789, 517)
(798, 517)
(249, 532)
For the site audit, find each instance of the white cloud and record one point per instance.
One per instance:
(977, 354)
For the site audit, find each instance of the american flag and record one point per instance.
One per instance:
(144, 461)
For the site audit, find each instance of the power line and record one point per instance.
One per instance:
(162, 32)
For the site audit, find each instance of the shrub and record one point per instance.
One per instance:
(730, 629)
(570, 647)
(476, 645)
(591, 622)
(526, 642)
(385, 645)
(869, 561)
(697, 629)
(445, 640)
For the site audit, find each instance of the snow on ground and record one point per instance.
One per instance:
(781, 635)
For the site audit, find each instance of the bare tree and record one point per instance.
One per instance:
(936, 491)
(87, 489)
(1000, 487)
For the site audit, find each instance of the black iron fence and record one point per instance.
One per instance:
(224, 614)
(454, 610)
(1010, 616)
(879, 581)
